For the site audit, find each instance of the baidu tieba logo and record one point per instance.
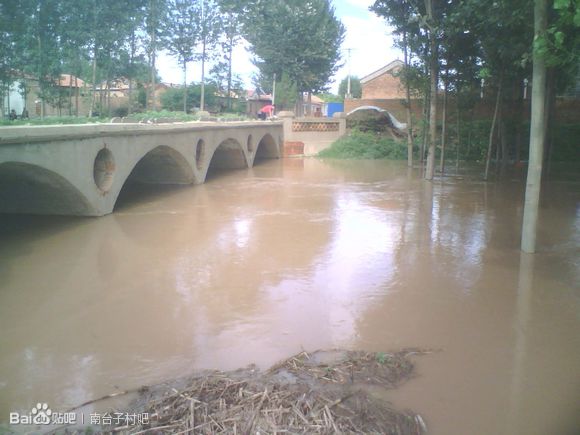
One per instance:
(40, 414)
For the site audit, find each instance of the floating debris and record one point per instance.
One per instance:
(324, 392)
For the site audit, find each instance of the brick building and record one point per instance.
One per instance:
(383, 88)
(384, 84)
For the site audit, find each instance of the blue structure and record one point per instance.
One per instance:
(332, 108)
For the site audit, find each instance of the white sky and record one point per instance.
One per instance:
(366, 34)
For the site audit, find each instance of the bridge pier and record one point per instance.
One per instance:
(80, 169)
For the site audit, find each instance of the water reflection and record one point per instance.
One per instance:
(256, 265)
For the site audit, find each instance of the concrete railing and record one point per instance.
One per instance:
(309, 136)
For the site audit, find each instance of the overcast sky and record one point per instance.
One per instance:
(366, 34)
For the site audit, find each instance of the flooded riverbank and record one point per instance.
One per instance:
(256, 265)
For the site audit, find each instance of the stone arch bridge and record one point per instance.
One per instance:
(81, 169)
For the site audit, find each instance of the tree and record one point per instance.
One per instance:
(286, 93)
(209, 34)
(402, 16)
(355, 87)
(231, 25)
(156, 16)
(41, 46)
(12, 29)
(172, 99)
(181, 34)
(537, 133)
(226, 82)
(431, 27)
(299, 38)
(548, 42)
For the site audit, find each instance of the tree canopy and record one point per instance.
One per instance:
(299, 38)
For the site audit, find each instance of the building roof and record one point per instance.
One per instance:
(388, 67)
(255, 95)
(68, 80)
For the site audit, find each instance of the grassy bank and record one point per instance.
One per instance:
(365, 145)
(52, 120)
(144, 116)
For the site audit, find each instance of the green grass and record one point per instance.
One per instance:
(53, 120)
(63, 120)
(365, 145)
(179, 116)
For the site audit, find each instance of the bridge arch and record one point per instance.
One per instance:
(162, 165)
(229, 154)
(29, 188)
(267, 148)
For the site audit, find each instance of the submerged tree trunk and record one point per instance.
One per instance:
(498, 136)
(430, 169)
(433, 73)
(443, 126)
(458, 140)
(425, 128)
(492, 129)
(537, 135)
(408, 96)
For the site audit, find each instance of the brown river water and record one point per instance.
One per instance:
(256, 265)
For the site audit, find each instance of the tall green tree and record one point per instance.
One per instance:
(299, 38)
(230, 18)
(537, 133)
(210, 28)
(41, 47)
(155, 19)
(182, 32)
(402, 16)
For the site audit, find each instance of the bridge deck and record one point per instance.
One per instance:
(80, 169)
(43, 133)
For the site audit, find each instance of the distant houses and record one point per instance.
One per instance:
(66, 97)
(72, 96)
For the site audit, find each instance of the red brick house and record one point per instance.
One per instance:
(384, 84)
(383, 88)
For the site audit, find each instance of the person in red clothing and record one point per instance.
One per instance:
(266, 112)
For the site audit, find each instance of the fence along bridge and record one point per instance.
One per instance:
(81, 169)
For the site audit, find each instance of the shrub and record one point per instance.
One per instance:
(365, 145)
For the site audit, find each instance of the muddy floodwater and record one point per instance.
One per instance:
(256, 265)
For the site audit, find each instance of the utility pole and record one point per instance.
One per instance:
(348, 93)
(274, 94)
(202, 99)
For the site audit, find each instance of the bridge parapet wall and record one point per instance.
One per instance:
(309, 136)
